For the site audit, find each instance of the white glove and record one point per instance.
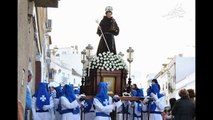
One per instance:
(125, 94)
(117, 104)
(116, 98)
(81, 97)
(146, 99)
(154, 96)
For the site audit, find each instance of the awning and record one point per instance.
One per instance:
(46, 3)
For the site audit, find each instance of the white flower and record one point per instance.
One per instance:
(108, 61)
(99, 54)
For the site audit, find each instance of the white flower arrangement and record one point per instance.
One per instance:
(108, 61)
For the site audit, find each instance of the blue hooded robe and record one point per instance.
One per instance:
(103, 103)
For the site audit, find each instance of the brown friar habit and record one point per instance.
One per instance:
(109, 28)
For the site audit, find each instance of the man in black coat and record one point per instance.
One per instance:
(184, 109)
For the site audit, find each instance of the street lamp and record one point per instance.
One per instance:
(129, 59)
(83, 61)
(89, 56)
(121, 54)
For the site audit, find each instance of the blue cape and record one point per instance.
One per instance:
(68, 92)
(77, 91)
(138, 93)
(102, 95)
(154, 89)
(42, 95)
(88, 105)
(134, 93)
(58, 92)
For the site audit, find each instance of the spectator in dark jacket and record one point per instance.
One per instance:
(183, 109)
(191, 95)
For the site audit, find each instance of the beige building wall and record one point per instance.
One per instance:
(31, 35)
(27, 44)
(32, 52)
(23, 49)
(42, 18)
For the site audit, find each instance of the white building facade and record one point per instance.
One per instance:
(66, 64)
(179, 73)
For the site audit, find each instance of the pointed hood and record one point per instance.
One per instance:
(42, 95)
(58, 91)
(102, 95)
(68, 92)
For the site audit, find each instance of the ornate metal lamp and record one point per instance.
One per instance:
(83, 61)
(129, 59)
(89, 56)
